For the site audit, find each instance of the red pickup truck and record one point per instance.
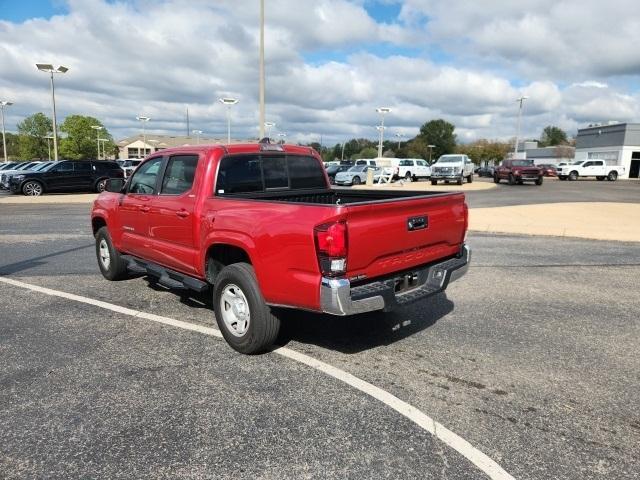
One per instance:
(260, 225)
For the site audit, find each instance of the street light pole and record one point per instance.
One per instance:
(262, 114)
(49, 138)
(520, 100)
(229, 102)
(399, 135)
(268, 126)
(382, 111)
(3, 104)
(142, 119)
(430, 149)
(49, 68)
(97, 128)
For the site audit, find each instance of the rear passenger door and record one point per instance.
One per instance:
(172, 215)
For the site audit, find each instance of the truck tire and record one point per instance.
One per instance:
(496, 178)
(111, 264)
(434, 182)
(470, 178)
(244, 318)
(512, 179)
(539, 180)
(408, 177)
(356, 181)
(573, 175)
(613, 176)
(459, 181)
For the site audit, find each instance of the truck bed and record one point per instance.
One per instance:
(333, 197)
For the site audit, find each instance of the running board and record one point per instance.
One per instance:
(168, 278)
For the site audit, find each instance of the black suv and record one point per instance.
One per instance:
(67, 176)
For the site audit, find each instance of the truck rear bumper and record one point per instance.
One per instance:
(337, 297)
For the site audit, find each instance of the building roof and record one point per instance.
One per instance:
(612, 135)
(168, 141)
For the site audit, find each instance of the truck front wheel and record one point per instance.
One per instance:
(111, 264)
(244, 318)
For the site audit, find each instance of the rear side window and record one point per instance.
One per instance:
(179, 175)
(65, 167)
(241, 174)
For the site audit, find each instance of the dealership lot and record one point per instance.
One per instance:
(531, 358)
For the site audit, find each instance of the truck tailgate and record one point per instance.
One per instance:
(388, 236)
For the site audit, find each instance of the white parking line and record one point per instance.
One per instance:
(459, 444)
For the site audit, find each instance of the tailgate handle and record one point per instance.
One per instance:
(417, 223)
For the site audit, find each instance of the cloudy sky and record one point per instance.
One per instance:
(329, 64)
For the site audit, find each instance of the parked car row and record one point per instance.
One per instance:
(36, 178)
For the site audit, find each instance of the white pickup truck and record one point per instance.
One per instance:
(590, 168)
(452, 168)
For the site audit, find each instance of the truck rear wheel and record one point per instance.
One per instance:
(612, 177)
(244, 318)
(111, 264)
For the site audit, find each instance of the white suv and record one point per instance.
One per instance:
(452, 168)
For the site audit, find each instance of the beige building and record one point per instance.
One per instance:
(135, 147)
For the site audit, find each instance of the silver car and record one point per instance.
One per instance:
(355, 175)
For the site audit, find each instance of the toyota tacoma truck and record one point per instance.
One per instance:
(259, 226)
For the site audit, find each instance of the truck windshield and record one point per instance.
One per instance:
(450, 159)
(522, 163)
(259, 173)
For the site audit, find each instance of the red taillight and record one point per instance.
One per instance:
(331, 247)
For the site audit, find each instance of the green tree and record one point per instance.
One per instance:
(483, 150)
(439, 133)
(368, 152)
(81, 140)
(552, 135)
(13, 147)
(32, 133)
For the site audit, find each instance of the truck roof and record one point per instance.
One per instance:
(243, 148)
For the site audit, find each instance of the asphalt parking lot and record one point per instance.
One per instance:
(531, 358)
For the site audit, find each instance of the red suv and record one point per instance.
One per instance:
(518, 171)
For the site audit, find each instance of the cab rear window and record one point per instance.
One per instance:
(259, 173)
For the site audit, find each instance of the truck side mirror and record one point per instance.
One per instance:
(114, 185)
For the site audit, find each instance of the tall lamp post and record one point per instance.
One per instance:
(3, 104)
(261, 88)
(51, 69)
(49, 138)
(431, 147)
(519, 100)
(197, 133)
(97, 128)
(268, 126)
(399, 135)
(104, 150)
(229, 102)
(143, 120)
(382, 111)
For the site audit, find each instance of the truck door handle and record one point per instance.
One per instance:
(144, 209)
(182, 213)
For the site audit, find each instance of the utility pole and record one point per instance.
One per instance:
(262, 113)
(515, 148)
(188, 129)
(4, 139)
